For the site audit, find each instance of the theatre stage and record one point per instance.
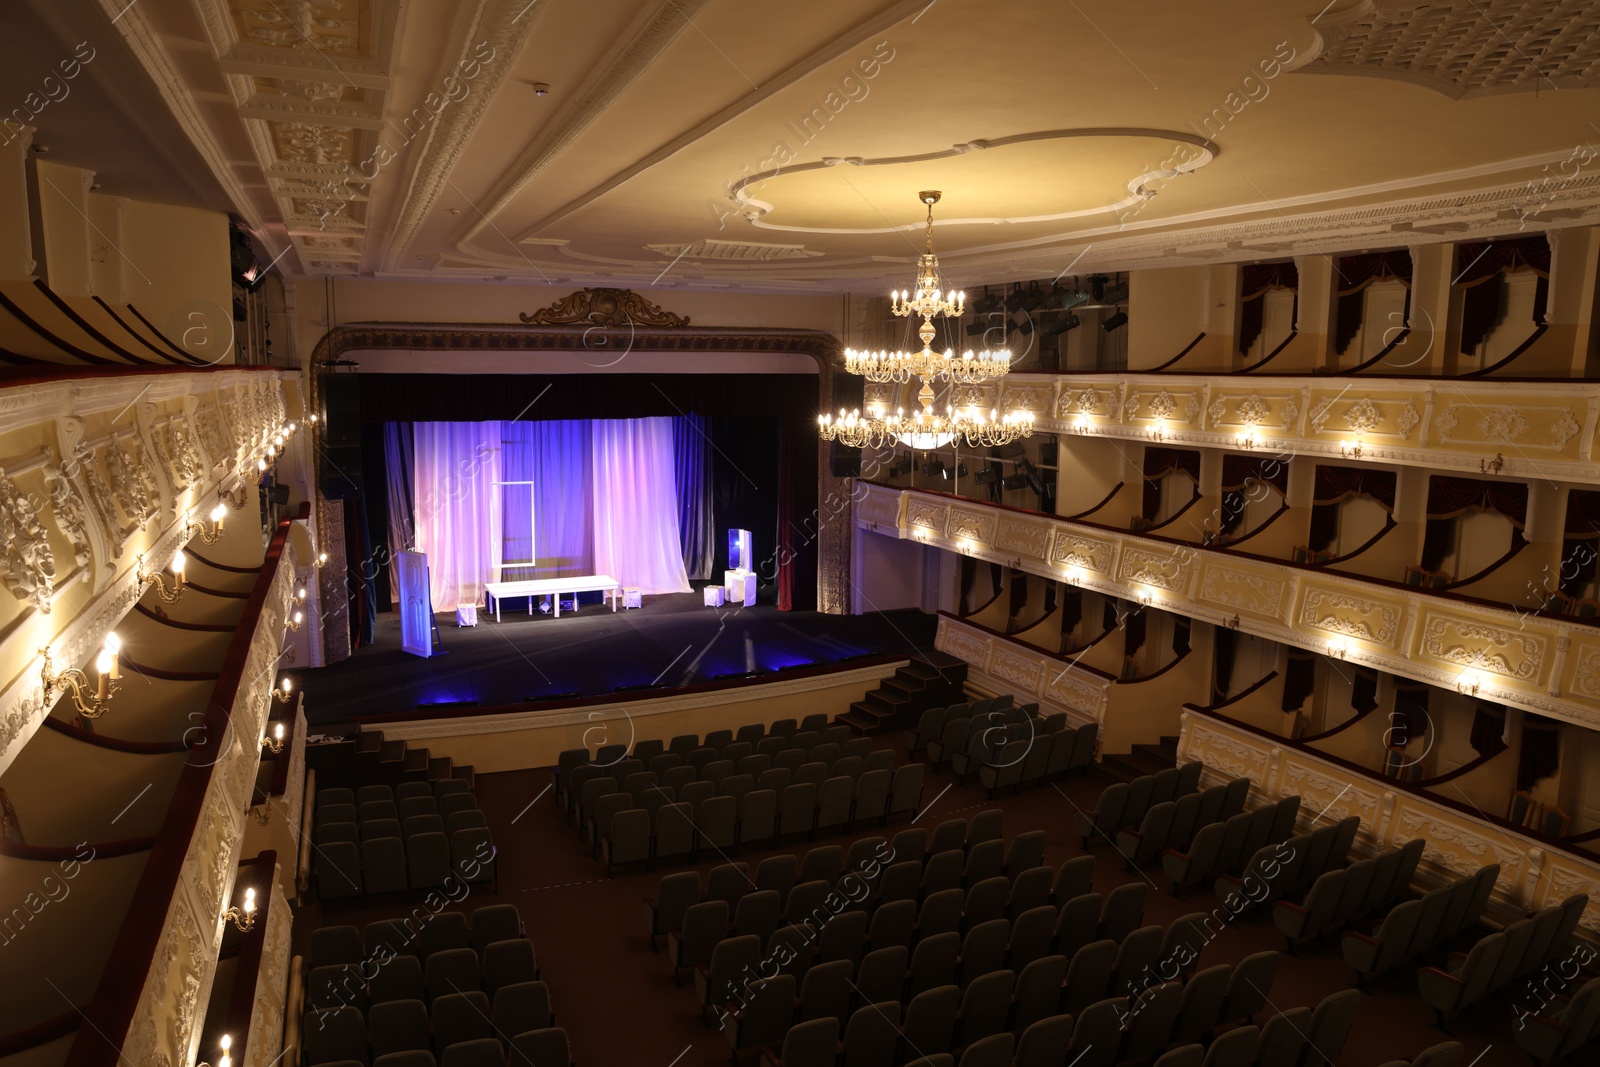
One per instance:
(674, 640)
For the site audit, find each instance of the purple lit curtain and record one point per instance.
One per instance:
(1355, 274)
(563, 516)
(635, 495)
(457, 507)
(398, 461)
(1256, 279)
(696, 518)
(1479, 266)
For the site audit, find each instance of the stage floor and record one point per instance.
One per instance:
(673, 640)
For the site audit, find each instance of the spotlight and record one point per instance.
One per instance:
(977, 329)
(1117, 321)
(901, 464)
(1073, 298)
(935, 469)
(1066, 322)
(1097, 287)
(986, 476)
(1014, 481)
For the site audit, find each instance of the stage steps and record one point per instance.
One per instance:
(1144, 759)
(368, 758)
(930, 679)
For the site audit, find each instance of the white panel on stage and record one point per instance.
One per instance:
(741, 587)
(416, 606)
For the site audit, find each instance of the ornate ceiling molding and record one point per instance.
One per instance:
(1464, 48)
(604, 307)
(1200, 153)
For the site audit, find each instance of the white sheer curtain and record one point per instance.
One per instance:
(636, 505)
(458, 507)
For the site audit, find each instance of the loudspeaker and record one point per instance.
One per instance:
(1047, 453)
(844, 461)
(340, 453)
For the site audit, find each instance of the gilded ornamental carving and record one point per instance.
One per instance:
(603, 307)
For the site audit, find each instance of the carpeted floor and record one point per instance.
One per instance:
(673, 640)
(618, 1002)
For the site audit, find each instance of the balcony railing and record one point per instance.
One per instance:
(1542, 429)
(1543, 663)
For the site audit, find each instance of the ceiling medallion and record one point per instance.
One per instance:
(926, 429)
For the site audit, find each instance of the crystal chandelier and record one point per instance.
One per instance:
(927, 429)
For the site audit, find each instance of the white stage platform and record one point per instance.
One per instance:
(554, 587)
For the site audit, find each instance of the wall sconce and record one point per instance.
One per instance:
(1338, 649)
(106, 684)
(243, 917)
(240, 496)
(1158, 432)
(322, 559)
(284, 690)
(1144, 597)
(1349, 450)
(212, 534)
(225, 1060)
(295, 620)
(274, 744)
(1233, 623)
(1080, 424)
(1492, 466)
(144, 577)
(1246, 439)
(1469, 683)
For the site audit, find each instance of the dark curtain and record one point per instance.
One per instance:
(1479, 267)
(1438, 541)
(966, 574)
(1017, 585)
(1409, 720)
(1237, 471)
(746, 480)
(1222, 663)
(1158, 463)
(1256, 279)
(357, 551)
(1541, 750)
(1334, 484)
(691, 453)
(1071, 608)
(1449, 496)
(1355, 274)
(1181, 632)
(790, 451)
(1133, 632)
(1488, 729)
(1299, 678)
(371, 569)
(1581, 547)
(1233, 505)
(1108, 614)
(1364, 689)
(1324, 526)
(1583, 513)
(399, 460)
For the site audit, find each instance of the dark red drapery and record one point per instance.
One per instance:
(1334, 484)
(1355, 274)
(1540, 755)
(1449, 496)
(1479, 266)
(1158, 463)
(1256, 279)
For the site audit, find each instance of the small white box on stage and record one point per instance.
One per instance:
(713, 596)
(467, 615)
(631, 598)
(741, 586)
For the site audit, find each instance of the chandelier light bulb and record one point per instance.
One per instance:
(179, 562)
(219, 513)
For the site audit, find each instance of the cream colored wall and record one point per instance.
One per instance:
(177, 273)
(1171, 310)
(63, 202)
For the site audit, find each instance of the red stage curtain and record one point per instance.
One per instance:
(1488, 729)
(1255, 281)
(1364, 689)
(1237, 471)
(1479, 265)
(1541, 750)
(1409, 720)
(1355, 274)
(1333, 484)
(1449, 496)
(1222, 644)
(1299, 678)
(1071, 608)
(1133, 631)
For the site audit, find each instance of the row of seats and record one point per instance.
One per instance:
(931, 723)
(455, 970)
(1223, 848)
(983, 1022)
(338, 795)
(1124, 803)
(758, 770)
(1172, 824)
(1415, 927)
(388, 865)
(1444, 1054)
(461, 1029)
(723, 824)
(967, 742)
(400, 937)
(1023, 762)
(1279, 870)
(1341, 896)
(1501, 958)
(1549, 1038)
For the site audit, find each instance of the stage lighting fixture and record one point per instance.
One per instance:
(986, 476)
(978, 329)
(1010, 450)
(1047, 453)
(636, 687)
(1035, 482)
(987, 303)
(1014, 481)
(901, 464)
(539, 697)
(1072, 298)
(1097, 287)
(1014, 301)
(1115, 322)
(933, 469)
(1116, 294)
(797, 666)
(735, 674)
(1066, 322)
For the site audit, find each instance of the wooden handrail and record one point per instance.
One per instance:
(1201, 336)
(1360, 714)
(109, 1012)
(1274, 517)
(1175, 516)
(221, 566)
(104, 850)
(1470, 765)
(1518, 543)
(1388, 524)
(1097, 507)
(208, 591)
(1538, 332)
(164, 620)
(115, 744)
(166, 675)
(1270, 356)
(1399, 339)
(1240, 695)
(1179, 658)
(1071, 663)
(41, 1033)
